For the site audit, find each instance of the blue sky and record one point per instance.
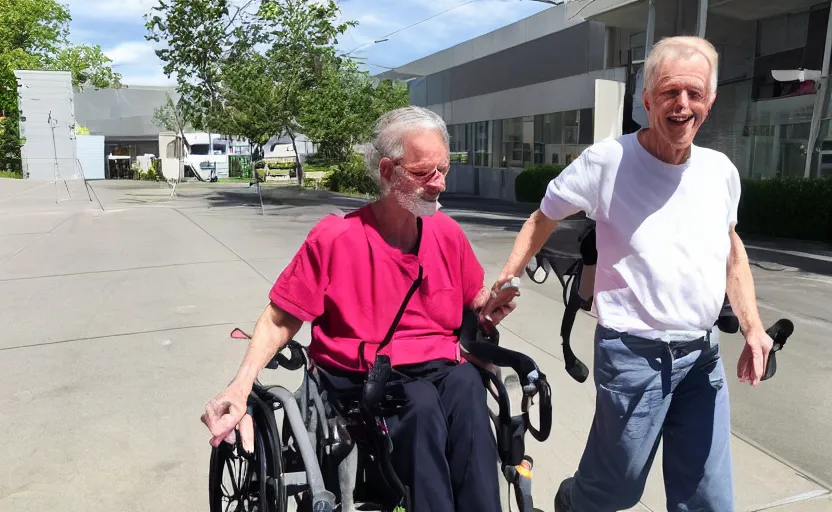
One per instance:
(118, 26)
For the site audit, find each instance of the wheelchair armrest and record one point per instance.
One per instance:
(296, 361)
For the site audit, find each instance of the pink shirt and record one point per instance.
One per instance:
(350, 283)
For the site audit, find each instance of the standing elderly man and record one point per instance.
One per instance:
(665, 212)
(349, 279)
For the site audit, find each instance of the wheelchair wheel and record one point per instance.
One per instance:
(243, 482)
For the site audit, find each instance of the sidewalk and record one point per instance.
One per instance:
(761, 481)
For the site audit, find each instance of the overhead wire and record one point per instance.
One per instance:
(411, 25)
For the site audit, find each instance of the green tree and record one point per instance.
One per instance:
(199, 36)
(88, 65)
(342, 106)
(252, 100)
(301, 35)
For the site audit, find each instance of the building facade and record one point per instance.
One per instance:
(525, 94)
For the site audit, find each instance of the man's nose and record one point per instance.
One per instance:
(683, 101)
(436, 184)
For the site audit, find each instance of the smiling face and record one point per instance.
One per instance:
(679, 100)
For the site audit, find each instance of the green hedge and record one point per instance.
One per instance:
(530, 185)
(787, 208)
(779, 207)
(351, 177)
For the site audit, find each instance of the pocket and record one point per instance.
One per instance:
(444, 307)
(628, 415)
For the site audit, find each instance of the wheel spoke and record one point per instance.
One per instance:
(233, 478)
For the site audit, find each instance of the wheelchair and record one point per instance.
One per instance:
(329, 454)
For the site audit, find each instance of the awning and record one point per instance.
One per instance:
(589, 9)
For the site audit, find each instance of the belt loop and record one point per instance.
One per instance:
(666, 369)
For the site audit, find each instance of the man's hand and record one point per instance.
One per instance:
(752, 363)
(496, 304)
(224, 413)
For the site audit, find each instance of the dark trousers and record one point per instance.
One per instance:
(443, 446)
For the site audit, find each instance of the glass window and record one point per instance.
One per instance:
(482, 144)
(782, 33)
(199, 149)
(512, 142)
(459, 143)
(570, 127)
(539, 147)
(637, 44)
(528, 139)
(587, 127)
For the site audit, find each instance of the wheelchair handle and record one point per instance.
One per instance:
(544, 407)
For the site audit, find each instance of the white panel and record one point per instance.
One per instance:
(609, 109)
(49, 151)
(90, 149)
(571, 93)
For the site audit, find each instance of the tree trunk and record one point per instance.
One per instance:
(298, 164)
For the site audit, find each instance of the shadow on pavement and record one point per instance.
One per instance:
(808, 257)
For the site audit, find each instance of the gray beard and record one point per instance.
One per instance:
(416, 205)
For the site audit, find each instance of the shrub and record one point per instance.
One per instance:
(316, 159)
(281, 165)
(786, 207)
(530, 185)
(351, 177)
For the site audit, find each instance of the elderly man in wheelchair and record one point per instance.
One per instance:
(393, 406)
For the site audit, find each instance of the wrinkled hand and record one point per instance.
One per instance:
(498, 304)
(225, 413)
(752, 363)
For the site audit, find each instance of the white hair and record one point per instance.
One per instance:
(391, 128)
(677, 48)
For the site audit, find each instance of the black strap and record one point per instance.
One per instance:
(415, 286)
(389, 337)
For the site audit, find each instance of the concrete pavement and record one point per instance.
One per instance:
(114, 332)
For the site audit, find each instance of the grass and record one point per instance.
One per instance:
(10, 174)
(234, 180)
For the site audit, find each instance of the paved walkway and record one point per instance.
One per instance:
(114, 332)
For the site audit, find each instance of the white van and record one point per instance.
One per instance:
(205, 165)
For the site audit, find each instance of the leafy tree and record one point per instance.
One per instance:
(342, 106)
(88, 65)
(169, 117)
(301, 35)
(252, 105)
(199, 36)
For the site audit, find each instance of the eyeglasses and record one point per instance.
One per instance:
(423, 172)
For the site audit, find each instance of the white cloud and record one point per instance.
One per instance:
(111, 9)
(132, 52)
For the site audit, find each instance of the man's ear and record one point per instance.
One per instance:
(645, 100)
(385, 168)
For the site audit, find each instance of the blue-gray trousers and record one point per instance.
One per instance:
(646, 391)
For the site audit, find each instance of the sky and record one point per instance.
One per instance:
(118, 27)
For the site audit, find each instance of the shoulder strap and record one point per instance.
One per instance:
(415, 286)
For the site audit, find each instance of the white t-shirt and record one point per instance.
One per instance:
(662, 233)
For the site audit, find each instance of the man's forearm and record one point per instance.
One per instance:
(274, 329)
(740, 287)
(532, 236)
